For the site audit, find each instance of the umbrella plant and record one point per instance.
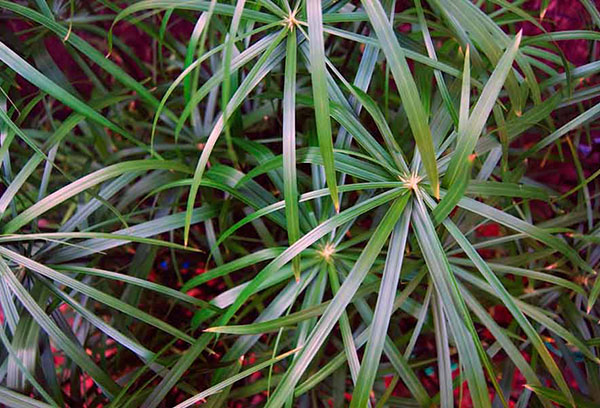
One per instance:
(298, 203)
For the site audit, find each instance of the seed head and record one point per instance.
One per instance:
(327, 251)
(411, 181)
(290, 21)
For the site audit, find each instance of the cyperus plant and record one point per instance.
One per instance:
(334, 168)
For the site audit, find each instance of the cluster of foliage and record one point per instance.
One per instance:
(298, 203)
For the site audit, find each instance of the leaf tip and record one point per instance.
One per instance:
(66, 37)
(293, 351)
(519, 36)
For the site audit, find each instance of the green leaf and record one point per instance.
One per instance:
(62, 341)
(530, 230)
(575, 123)
(23, 68)
(271, 325)
(413, 106)
(63, 237)
(541, 316)
(320, 95)
(198, 5)
(444, 364)
(290, 188)
(338, 304)
(467, 139)
(439, 79)
(145, 229)
(505, 342)
(228, 73)
(218, 387)
(593, 10)
(155, 287)
(77, 42)
(16, 400)
(558, 398)
(24, 370)
(304, 242)
(505, 189)
(85, 183)
(454, 194)
(450, 299)
(465, 94)
(262, 67)
(508, 302)
(383, 312)
(94, 294)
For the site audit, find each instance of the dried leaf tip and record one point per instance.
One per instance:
(436, 192)
(66, 38)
